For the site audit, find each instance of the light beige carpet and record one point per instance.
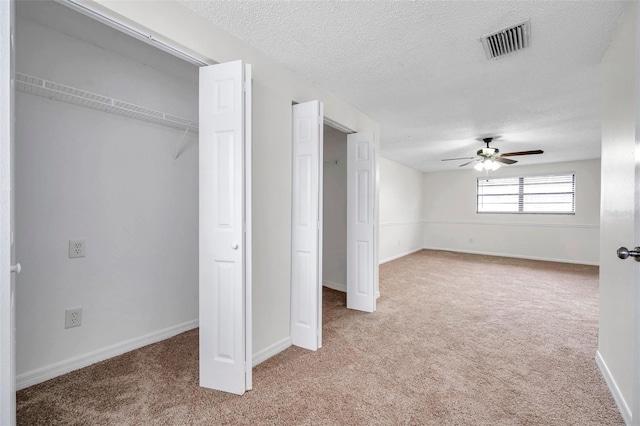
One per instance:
(457, 340)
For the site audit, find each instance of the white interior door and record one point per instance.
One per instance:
(306, 232)
(636, 219)
(361, 294)
(636, 287)
(619, 331)
(7, 279)
(225, 320)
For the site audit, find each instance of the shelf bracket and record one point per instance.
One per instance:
(182, 143)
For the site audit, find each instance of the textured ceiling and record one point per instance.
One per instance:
(418, 69)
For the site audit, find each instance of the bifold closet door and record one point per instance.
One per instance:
(225, 285)
(361, 265)
(306, 226)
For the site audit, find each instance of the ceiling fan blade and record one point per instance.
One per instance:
(505, 160)
(472, 161)
(511, 154)
(463, 158)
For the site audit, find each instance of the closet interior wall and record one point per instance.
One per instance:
(110, 180)
(334, 227)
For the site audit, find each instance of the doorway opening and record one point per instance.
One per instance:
(334, 214)
(350, 237)
(334, 209)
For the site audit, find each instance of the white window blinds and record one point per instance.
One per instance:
(550, 194)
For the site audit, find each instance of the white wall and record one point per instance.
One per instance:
(620, 104)
(401, 210)
(274, 89)
(112, 180)
(451, 221)
(334, 210)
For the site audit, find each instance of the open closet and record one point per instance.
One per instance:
(350, 232)
(334, 209)
(106, 153)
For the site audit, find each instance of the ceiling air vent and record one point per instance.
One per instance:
(507, 40)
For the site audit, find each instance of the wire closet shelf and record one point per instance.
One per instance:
(48, 89)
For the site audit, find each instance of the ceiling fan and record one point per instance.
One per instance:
(490, 158)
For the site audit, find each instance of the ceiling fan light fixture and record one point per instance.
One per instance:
(487, 164)
(489, 158)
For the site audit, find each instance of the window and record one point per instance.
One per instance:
(553, 194)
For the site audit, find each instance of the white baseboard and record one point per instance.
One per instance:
(516, 256)
(613, 388)
(271, 350)
(42, 374)
(335, 286)
(398, 256)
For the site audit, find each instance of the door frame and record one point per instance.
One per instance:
(7, 281)
(375, 191)
(347, 131)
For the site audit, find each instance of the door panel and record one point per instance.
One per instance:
(636, 219)
(618, 301)
(361, 222)
(7, 279)
(248, 234)
(306, 259)
(224, 321)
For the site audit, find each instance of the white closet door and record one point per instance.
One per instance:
(7, 293)
(306, 263)
(224, 328)
(360, 222)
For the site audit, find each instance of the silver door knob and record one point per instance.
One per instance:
(234, 246)
(624, 253)
(16, 268)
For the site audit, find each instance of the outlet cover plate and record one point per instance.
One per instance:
(76, 248)
(73, 317)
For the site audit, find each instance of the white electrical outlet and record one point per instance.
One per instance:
(76, 248)
(73, 317)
